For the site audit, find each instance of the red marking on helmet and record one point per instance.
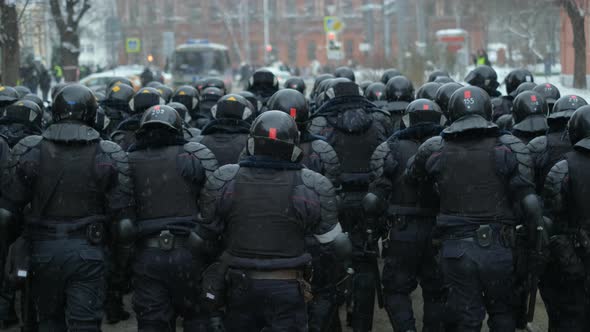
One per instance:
(548, 86)
(272, 133)
(574, 97)
(533, 98)
(378, 93)
(467, 94)
(425, 107)
(157, 107)
(293, 112)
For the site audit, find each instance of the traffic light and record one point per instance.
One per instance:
(268, 48)
(333, 43)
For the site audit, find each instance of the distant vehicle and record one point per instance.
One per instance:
(198, 59)
(99, 81)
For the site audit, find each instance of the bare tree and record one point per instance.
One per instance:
(576, 14)
(68, 29)
(9, 43)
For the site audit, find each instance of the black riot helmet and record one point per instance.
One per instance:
(443, 95)
(444, 80)
(234, 107)
(529, 110)
(423, 111)
(199, 84)
(399, 88)
(188, 96)
(180, 109)
(317, 82)
(252, 99)
(296, 83)
(118, 97)
(154, 84)
(166, 92)
(274, 134)
(263, 80)
(75, 102)
(364, 85)
(145, 98)
(100, 96)
(525, 86)
(8, 95)
(484, 77)
(345, 72)
(579, 124)
(291, 102)
(341, 87)
(22, 90)
(516, 78)
(119, 80)
(550, 92)
(389, 74)
(36, 99)
(436, 74)
(565, 106)
(470, 100)
(428, 90)
(375, 91)
(160, 116)
(215, 82)
(57, 88)
(211, 94)
(25, 112)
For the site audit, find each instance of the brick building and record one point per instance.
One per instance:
(296, 27)
(567, 45)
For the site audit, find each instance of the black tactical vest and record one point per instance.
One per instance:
(579, 179)
(409, 198)
(354, 151)
(558, 144)
(262, 222)
(66, 186)
(226, 147)
(160, 189)
(469, 183)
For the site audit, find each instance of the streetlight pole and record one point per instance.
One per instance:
(266, 32)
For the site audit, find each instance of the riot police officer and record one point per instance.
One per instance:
(118, 80)
(267, 288)
(355, 127)
(8, 95)
(529, 112)
(318, 156)
(124, 133)
(166, 92)
(296, 83)
(78, 187)
(399, 92)
(116, 104)
(190, 133)
(189, 97)
(476, 210)
(408, 251)
(565, 197)
(263, 84)
(168, 174)
(550, 92)
(209, 97)
(226, 136)
(256, 104)
(375, 93)
(314, 90)
(560, 298)
(19, 120)
(345, 72)
(524, 86)
(432, 77)
(484, 77)
(389, 74)
(443, 96)
(428, 91)
(214, 82)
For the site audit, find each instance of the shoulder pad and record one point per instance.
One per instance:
(221, 176)
(522, 153)
(537, 144)
(378, 159)
(26, 144)
(552, 192)
(317, 182)
(205, 156)
(430, 146)
(110, 147)
(318, 124)
(380, 114)
(116, 153)
(326, 151)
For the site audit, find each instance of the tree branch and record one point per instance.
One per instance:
(85, 7)
(57, 15)
(22, 11)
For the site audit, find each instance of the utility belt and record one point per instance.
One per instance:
(240, 280)
(93, 232)
(486, 234)
(166, 241)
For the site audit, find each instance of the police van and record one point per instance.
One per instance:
(197, 59)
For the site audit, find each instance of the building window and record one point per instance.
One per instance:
(290, 7)
(311, 50)
(310, 8)
(349, 48)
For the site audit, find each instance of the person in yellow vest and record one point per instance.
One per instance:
(58, 73)
(481, 58)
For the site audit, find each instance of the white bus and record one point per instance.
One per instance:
(199, 59)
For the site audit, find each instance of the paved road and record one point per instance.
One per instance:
(381, 320)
